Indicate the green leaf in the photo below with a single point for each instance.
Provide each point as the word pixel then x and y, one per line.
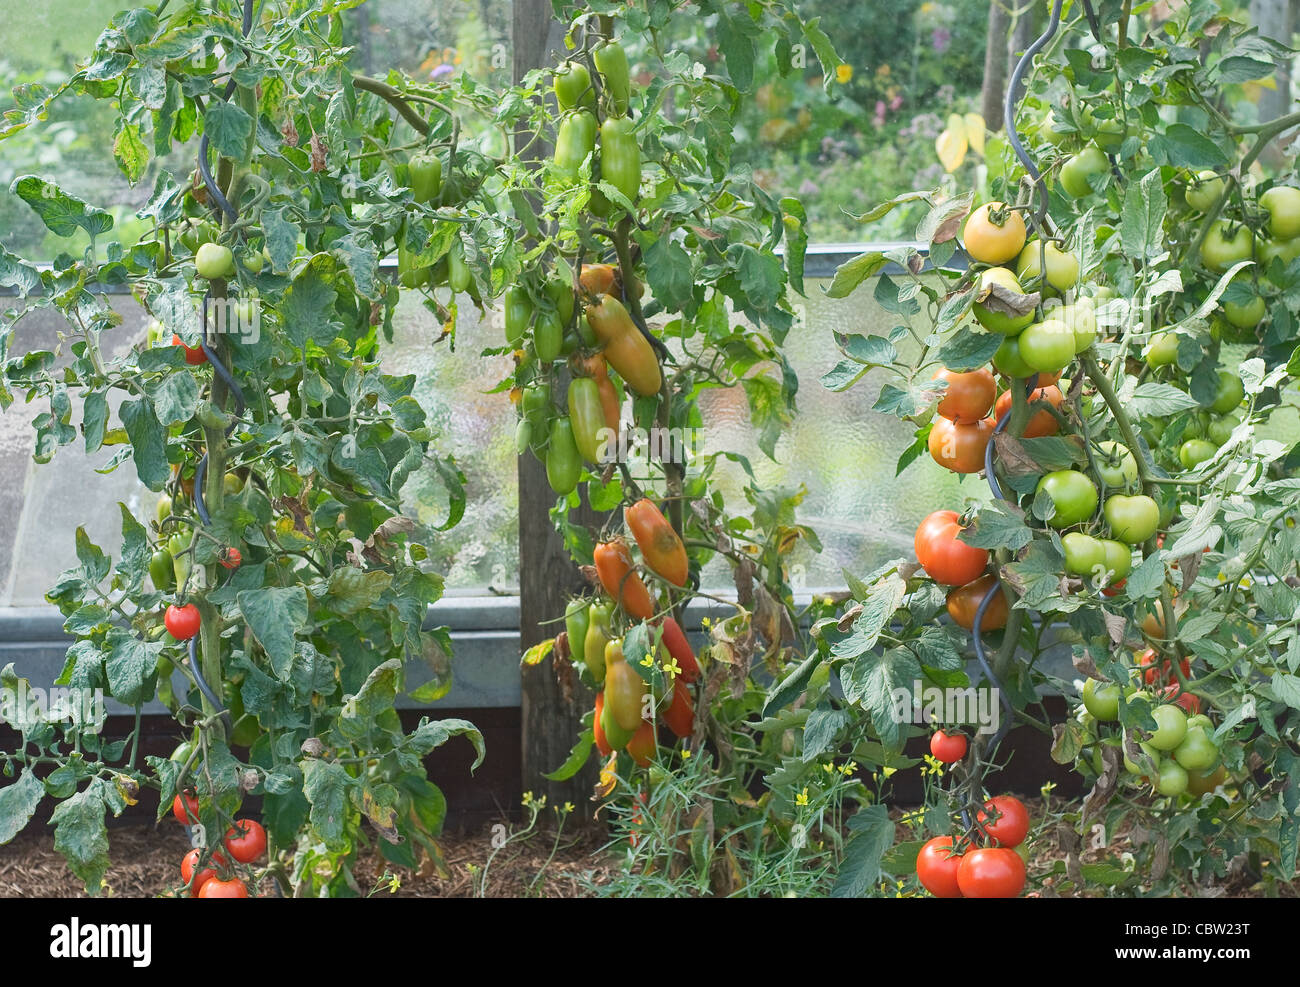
pixel 1156 400
pixel 669 271
pixel 228 128
pixel 968 349
pixel 18 804
pixel 576 759
pixel 62 214
pixel 175 397
pixel 1286 688
pixel 823 49
pixel 131 152
pixel 873 834
pixel 326 786
pixel 790 687
pixel 148 446
pixel 1184 147
pixel 1143 217
pixel 821 729
pixel 275 615
pixel 877 683
pixel 81 836
pixel 853 272
pixel 431 734
pixel 999 524
pixel 883 599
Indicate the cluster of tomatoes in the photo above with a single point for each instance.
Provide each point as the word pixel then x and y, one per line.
pixel 202 870
pixel 1179 756
pixel 987 862
pixel 627 703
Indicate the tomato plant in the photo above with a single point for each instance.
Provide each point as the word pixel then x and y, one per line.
pixel 278 458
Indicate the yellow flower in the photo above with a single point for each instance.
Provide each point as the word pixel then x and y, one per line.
pixel 888 772
pixel 843 73
pixel 672 669
pixel 1048 788
pixel 648 661
pixel 828 768
pixel 848 769
pixel 686 752
pixel 801 798
pixel 528 798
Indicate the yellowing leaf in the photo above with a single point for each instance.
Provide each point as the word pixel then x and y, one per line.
pixel 951 148
pixel 538 652
pixel 975 132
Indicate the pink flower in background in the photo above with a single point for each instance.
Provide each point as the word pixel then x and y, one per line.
pixel 896 102
pixel 940 38
pixel 443 69
pixel 809 187
pixel 879 118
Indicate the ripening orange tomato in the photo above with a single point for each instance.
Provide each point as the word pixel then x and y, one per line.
pixel 994 234
pixel 1042 422
pixel 614 567
pixel 964 600
pixel 660 545
pixel 960 446
pixel 597 278
pixel 969 395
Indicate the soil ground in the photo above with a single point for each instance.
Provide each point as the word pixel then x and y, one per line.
pixel 145 861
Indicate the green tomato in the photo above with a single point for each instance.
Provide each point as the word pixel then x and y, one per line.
pixel 1133 519
pixel 1081 317
pixel 1220 429
pixel 163 509
pixel 253 261
pixel 214 261
pixel 996 320
pixel 1134 768
pixel 1116 465
pixel 1246 316
pixel 1226 245
pixel 1204 191
pixel 1077 171
pixel 1062 265
pixel 1197 752
pixel 1101 699
pixel 1285 250
pixel 1228 394
pixel 1193 452
pixel 1008 360
pixel 1047 346
pixel 1172 779
pixel 1083 554
pixel 1171 727
pixel 1283 205
pixel 1162 350
pixel 1119 560
pixel 160 571
pixel 1073 494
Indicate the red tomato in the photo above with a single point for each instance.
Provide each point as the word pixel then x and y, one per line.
pixel 936 868
pixel 230 558
pixel 948 747
pixel 679 648
pixel 1189 701
pixel 246 840
pixel 680 715
pixel 597 730
pixel 960 446
pixel 968 396
pixel 185 807
pixel 991 872
pixel 1163 673
pixel 194 355
pixel 1042 422
pixel 217 888
pixel 642 746
pixel 189 862
pixel 1011 826
pixel 945 559
pixel 182 622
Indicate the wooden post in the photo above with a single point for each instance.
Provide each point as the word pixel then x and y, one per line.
pixel 995 65
pixel 547 577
